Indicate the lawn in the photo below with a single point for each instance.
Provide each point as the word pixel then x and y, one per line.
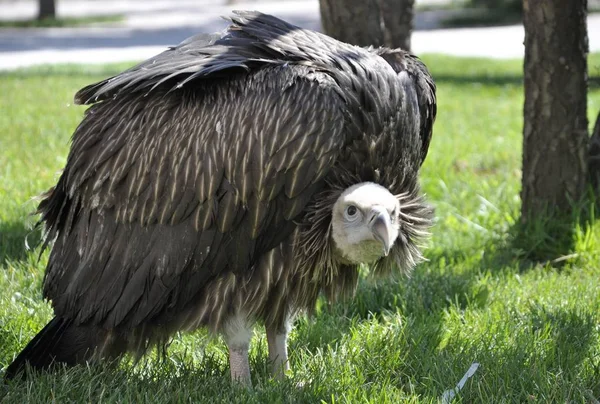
pixel 533 328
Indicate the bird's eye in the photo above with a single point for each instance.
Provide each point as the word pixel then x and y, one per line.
pixel 351 212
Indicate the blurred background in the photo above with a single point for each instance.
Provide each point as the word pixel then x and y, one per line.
pixel 100 31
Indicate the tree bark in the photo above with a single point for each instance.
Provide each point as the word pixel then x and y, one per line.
pixel 46 9
pixel 555 136
pixel 594 157
pixel 369 22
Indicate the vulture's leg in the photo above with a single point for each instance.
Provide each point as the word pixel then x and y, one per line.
pixel 238 333
pixel 277 341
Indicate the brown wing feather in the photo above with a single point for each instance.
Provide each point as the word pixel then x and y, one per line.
pixel 170 189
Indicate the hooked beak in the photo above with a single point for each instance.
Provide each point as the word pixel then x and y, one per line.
pixel 381 227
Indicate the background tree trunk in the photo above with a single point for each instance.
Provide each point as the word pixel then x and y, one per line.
pixel 594 157
pixel 46 9
pixel 555 136
pixel 369 22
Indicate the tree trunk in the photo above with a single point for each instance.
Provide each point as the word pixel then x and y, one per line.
pixel 47 9
pixel 369 22
pixel 594 157
pixel 555 136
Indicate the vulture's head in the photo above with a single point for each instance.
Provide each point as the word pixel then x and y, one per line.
pixel 365 223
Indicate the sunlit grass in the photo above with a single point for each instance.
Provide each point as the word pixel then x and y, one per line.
pixel 534 328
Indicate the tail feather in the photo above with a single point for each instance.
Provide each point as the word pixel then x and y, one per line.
pixel 62 342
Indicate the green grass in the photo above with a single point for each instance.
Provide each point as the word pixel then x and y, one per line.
pixel 62 22
pixel 534 328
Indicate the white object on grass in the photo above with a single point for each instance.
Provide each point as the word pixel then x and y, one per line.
pixel 450 394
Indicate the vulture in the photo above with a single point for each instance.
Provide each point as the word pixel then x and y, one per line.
pixel 232 179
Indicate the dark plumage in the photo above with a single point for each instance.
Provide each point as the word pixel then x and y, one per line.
pixel 228 180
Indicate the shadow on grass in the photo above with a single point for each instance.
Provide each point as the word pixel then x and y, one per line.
pixel 549 237
pixel 419 301
pixel 16 239
pixel 174 380
pixel 572 333
pixel 554 343
pixel 429 290
pixel 423 300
